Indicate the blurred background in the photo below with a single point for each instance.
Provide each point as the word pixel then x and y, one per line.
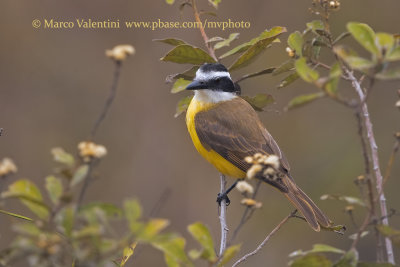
pixel 53 84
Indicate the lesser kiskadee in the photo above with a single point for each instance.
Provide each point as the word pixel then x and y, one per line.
pixel 225 129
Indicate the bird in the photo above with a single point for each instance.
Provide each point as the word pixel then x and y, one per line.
pixel 225 129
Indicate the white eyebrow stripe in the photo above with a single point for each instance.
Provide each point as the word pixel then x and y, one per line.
pixel 211 75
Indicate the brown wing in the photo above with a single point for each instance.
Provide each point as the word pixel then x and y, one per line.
pixel 233 130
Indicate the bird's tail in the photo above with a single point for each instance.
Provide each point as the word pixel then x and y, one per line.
pixel 314 216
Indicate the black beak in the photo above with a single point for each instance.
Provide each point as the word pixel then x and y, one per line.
pixel 196 85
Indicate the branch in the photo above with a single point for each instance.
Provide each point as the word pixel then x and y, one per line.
pixel 86 182
pixel 222 217
pixel 242 259
pixel 375 160
pixel 109 100
pixel 391 159
pixel 203 33
pixel 248 212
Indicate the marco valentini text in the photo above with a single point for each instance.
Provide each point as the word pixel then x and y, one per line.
pixel 81 23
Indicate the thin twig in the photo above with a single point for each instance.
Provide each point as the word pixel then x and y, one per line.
pixel 86 182
pixel 375 161
pixel 248 212
pixel 367 160
pixel 222 217
pixel 242 259
pixel 160 202
pixel 202 31
pixel 367 218
pixel 391 160
pixel 109 100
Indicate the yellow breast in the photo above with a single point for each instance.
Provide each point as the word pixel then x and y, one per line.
pixel 222 165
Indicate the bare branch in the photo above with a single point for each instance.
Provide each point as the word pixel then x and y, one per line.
pixel 109 100
pixel 222 217
pixel 276 229
pixel 375 160
pixel 86 182
pixel 203 33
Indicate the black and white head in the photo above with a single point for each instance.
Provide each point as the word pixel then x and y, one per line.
pixel 213 83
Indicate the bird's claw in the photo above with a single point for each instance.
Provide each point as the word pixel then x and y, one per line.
pixel 223 196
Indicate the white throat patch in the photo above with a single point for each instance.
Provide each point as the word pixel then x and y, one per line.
pixel 210 96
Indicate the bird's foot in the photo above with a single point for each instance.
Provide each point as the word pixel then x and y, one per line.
pixel 221 197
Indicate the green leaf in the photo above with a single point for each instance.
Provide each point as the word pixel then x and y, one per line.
pixel 152 228
pixel 390 232
pixel 374 264
pixel 312 260
pixel 259 101
pixel 59 155
pixel 127 253
pixel 29 195
pixel 79 175
pixel 215 3
pixel 229 253
pixel 226 42
pixel 394 54
pixel 385 42
pixel 215 39
pixel 170 261
pixel 90 231
pixel 284 67
pixel 188 74
pixel 54 188
pixel 288 80
pixel 304 99
pixel 295 41
pixel 305 72
pixel 364 35
pixel 264 35
pixel 334 78
pixel 353 60
pixel 253 51
pixel 317 248
pixel 393 74
pixel 348 199
pixel 341 36
pixel 313 50
pixel 182 105
pixel 170 41
pixel 187 54
pixel 180 85
pixel 16 215
pixel 174 250
pixel 315 25
pixel 132 211
pixel 349 259
pixel 359 63
pixel 335 71
pixel 109 209
pixel 194 254
pixel 27 228
pixel 339 229
pixel 255 74
pixel 170 2
pixel 201 233
pixel 67 218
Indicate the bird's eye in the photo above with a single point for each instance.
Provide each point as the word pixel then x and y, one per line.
pixel 218 80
